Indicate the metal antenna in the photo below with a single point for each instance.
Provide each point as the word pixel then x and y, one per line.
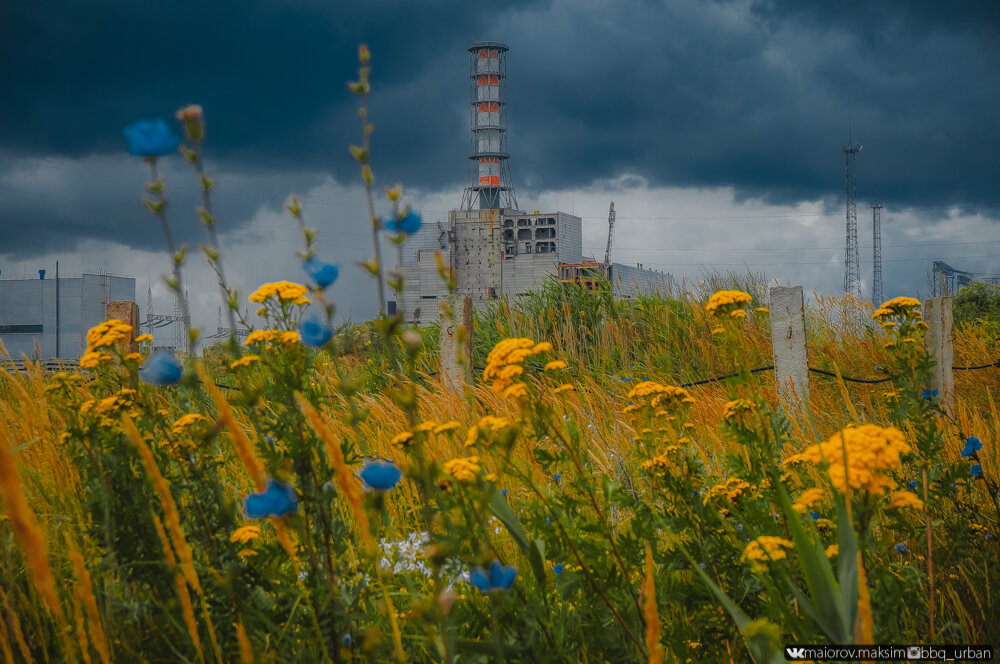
pixel 611 234
pixel 488 184
pixel 878 296
pixel 852 269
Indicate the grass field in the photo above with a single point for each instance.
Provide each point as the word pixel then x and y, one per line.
pixel 646 522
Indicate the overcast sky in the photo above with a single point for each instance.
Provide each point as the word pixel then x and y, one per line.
pixel 716 127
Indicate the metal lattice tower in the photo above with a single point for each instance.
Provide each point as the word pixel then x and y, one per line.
pixel 852 268
pixel 878 296
pixel 488 184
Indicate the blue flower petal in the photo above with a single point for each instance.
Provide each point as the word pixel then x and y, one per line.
pixel 814 515
pixel 558 569
pixel 912 485
pixel 557 477
pixel 324 274
pixel 150 138
pixel 381 475
pixel 161 368
pixel 972 445
pixel 501 577
pixel 929 394
pixel 900 548
pixel 479 579
pixel 314 333
pixel 277 500
pixel 976 469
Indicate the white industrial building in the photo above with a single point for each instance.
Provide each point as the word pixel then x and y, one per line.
pixel 56 313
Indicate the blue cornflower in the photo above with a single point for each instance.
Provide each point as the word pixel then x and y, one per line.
pixel 500 577
pixel 150 138
pixel 976 470
pixel 314 333
pixel 503 492
pixel 409 224
pixel 626 379
pixel 972 445
pixel 695 493
pixel 929 394
pixel 912 485
pixel 900 548
pixel 346 639
pixel 814 515
pixel 328 486
pixel 277 499
pixel 162 368
pixel 381 475
pixel 557 476
pixel 558 569
pixel 269 439
pixel 323 274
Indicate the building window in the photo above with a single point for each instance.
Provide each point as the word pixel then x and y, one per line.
pixel 20 329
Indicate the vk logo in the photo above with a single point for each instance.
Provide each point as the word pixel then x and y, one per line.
pixel 794 653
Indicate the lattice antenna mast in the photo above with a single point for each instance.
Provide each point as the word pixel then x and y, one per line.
pixel 878 296
pixel 611 234
pixel 488 184
pixel 852 268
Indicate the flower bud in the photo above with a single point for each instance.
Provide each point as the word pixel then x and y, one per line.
pixel 156 207
pixel 363 55
pixel 194 122
pixel 293 206
pixel 359 153
pixel 394 192
pixel 366 173
pixel 206 217
pixel 206 183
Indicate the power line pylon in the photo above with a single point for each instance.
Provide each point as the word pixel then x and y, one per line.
pixel 852 268
pixel 878 296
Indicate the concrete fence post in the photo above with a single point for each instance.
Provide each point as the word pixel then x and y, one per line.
pixel 938 340
pixel 455 344
pixel 788 341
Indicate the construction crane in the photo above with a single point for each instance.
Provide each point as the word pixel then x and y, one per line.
pixel 611 234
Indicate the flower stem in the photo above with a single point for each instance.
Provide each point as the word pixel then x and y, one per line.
pixel 171 250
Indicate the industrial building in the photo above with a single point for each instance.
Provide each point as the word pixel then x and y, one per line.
pixel 56 313
pixel 496 249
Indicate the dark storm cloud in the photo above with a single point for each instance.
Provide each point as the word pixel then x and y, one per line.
pixel 700 94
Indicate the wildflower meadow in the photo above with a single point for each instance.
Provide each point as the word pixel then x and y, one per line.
pixel 315 493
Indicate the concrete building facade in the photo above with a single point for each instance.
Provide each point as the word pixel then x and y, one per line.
pixel 56 313
pixel 502 253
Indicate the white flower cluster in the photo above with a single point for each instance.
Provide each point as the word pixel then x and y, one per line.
pixel 409 555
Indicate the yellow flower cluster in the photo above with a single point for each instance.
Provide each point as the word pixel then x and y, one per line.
pixel 269 336
pixel 734 411
pixel 102 336
pixel 726 301
pixel 245 534
pixel 503 364
pixel 107 334
pixel 808 498
pixel 285 291
pixel 244 361
pixel 654 395
pixel 868 449
pixel 901 499
pixel 92 358
pixel 661 464
pixel 184 421
pixel 462 469
pixel 763 549
pixel 903 307
pixel 487 425
pixel 732 489
pixel 404 439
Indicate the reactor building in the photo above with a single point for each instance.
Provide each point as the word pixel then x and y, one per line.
pixel 56 313
pixel 496 249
